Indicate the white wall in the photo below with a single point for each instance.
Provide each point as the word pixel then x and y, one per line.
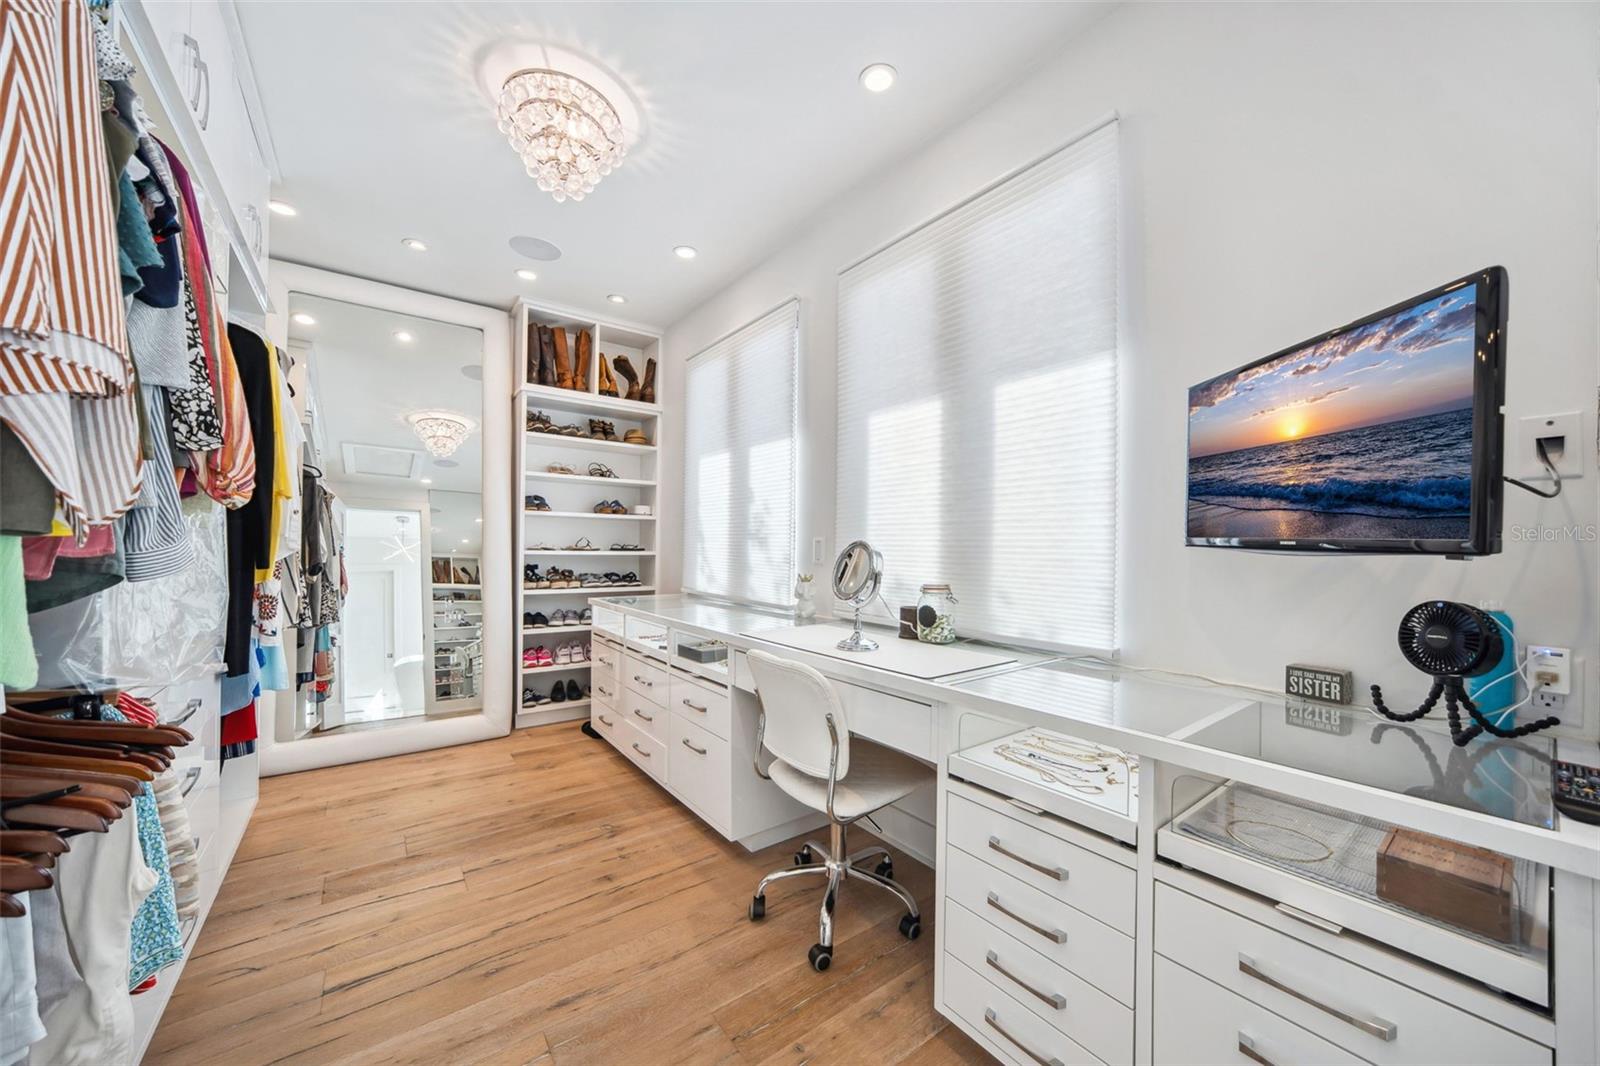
pixel 1286 168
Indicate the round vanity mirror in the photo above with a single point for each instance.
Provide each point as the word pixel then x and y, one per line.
pixel 857 573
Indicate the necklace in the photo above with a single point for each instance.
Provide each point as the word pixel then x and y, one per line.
pixel 1256 825
pixel 1066 749
pixel 1046 775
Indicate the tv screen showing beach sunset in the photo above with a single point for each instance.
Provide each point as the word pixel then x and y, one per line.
pixel 1364 436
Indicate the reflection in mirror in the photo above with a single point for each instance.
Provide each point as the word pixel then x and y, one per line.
pixel 396 416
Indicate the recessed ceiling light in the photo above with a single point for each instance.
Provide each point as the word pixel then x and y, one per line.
pixel 279 207
pixel 427 481
pixel 464 540
pixel 527 275
pixel 414 245
pixel 877 78
pixel 683 251
pixel 478 520
pixel 616 299
pixel 303 319
pixel 403 336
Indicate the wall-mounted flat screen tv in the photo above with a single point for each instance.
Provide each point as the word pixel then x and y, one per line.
pixel 1380 436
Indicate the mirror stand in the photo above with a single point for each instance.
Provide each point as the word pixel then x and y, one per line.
pixel 857 641
pixel 857 574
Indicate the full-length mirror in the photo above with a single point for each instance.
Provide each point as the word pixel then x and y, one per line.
pixel 396 418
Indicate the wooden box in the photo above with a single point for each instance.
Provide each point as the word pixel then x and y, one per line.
pixel 1454 883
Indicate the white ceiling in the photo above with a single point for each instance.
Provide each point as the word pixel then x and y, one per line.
pixel 753 119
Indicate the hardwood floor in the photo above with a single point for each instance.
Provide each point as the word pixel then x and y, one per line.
pixel 535 899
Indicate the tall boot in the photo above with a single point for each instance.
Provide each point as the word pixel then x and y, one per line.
pixel 533 353
pixel 647 392
pixel 629 375
pixel 585 350
pixel 547 357
pixel 563 359
pixel 608 384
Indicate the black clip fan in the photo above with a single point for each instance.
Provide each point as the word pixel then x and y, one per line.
pixel 1452 642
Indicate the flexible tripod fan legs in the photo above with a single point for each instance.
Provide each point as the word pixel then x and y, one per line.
pixel 1455 699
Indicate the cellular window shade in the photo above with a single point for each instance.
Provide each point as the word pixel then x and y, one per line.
pixel 977 395
pixel 739 462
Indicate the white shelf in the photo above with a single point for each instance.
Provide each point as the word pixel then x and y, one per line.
pixel 562 440
pixel 600 552
pixel 556 669
pixel 589 514
pixel 593 590
pixel 448 586
pixel 551 705
pixel 541 397
pixel 529 631
pixel 586 479
pixel 454 629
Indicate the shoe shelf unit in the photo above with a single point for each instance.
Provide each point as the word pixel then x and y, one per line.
pixel 456 632
pixel 582 430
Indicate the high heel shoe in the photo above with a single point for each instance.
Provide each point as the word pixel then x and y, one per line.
pixel 647 393
pixel 625 368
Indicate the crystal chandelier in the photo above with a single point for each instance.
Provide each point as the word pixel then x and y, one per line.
pixel 441 431
pixel 567 133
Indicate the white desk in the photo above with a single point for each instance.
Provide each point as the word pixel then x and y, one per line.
pixel 1197 732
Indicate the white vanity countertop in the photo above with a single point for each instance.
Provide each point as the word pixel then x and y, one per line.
pixel 1495 798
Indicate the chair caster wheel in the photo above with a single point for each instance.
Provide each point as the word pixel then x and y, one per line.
pixel 758 908
pixel 821 957
pixel 803 857
pixel 885 869
pixel 911 927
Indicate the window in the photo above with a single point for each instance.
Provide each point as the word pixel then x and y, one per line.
pixel 739 462
pixel 977 437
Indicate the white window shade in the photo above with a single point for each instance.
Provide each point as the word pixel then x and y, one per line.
pixel 977 439
pixel 739 462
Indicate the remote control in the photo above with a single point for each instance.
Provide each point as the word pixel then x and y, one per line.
pixel 1577 790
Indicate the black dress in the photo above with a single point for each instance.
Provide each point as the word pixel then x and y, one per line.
pixel 250 541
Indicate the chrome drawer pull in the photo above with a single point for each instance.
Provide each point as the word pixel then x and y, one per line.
pixel 1049 871
pixel 693 706
pixel 994 1023
pixel 640 714
pixel 691 747
pixel 642 681
pixel 189 710
pixel 604 720
pixel 603 691
pixel 1375 1026
pixel 640 750
pixel 191 777
pixel 1054 999
pixel 1049 934
pixel 1247 1048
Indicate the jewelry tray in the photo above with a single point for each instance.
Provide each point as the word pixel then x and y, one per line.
pixel 1114 811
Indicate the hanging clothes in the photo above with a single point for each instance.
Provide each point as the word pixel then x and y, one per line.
pixel 18 667
pixel 20 1024
pixel 229 473
pixel 156 539
pixel 251 538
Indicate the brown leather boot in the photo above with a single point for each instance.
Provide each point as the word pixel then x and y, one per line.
pixel 547 357
pixel 563 359
pixel 647 391
pixel 608 384
pixel 533 353
pixel 629 375
pixel 585 349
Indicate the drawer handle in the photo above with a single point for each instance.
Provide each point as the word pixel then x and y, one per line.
pixel 691 747
pixel 603 691
pixel 1374 1026
pixel 642 681
pixel 994 1023
pixel 1055 999
pixel 603 719
pixel 640 750
pixel 1049 871
pixel 637 713
pixel 191 777
pixel 1049 934
pixel 693 706
pixel 1247 1048
pixel 189 710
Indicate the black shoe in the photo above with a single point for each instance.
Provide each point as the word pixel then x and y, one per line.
pixel 527 619
pixel 573 692
pixel 529 697
pixel 536 620
pixel 558 694
pixel 530 573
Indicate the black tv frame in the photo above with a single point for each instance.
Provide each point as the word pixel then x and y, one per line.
pixel 1488 434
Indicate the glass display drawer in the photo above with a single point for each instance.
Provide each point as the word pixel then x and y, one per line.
pixel 647 635
pixel 1466 908
pixel 703 656
pixel 1092 785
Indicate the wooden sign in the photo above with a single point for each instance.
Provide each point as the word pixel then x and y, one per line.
pixel 1317 683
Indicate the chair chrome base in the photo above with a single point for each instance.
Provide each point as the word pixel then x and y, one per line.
pixel 838 867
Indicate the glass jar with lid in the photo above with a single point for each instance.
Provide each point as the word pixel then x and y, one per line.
pixel 936 615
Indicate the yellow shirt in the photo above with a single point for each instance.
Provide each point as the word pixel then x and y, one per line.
pixel 282 479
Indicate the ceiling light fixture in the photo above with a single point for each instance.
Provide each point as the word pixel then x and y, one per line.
pixel 303 319
pixel 877 78
pixel 567 134
pixel 279 207
pixel 414 245
pixel 527 275
pixel 617 299
pixel 684 251
pixel 442 432
pixel 429 481
pixel 403 336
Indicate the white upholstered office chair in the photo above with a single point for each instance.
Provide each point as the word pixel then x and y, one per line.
pixel 804 725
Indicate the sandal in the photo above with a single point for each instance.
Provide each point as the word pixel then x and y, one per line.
pixel 626 548
pixel 535 503
pixel 539 422
pixel 560 468
pixel 601 470
pixel 530 576
pixel 630 578
pixel 584 544
pixel 604 507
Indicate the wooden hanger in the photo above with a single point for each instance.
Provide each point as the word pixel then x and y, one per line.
pixel 127 785
pixel 20 723
pixel 20 875
pixel 117 756
pixel 128 768
pixel 21 785
pixel 10 907
pixel 53 817
pixel 31 842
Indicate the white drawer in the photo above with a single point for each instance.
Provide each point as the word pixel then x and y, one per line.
pixel 605 721
pixel 645 678
pixel 1010 1029
pixel 203 804
pixel 604 688
pixel 648 753
pixel 904 725
pixel 644 715
pixel 699 771
pixel 1076 876
pixel 703 705
pixel 607 656
pixel 1202 1024
pixel 1066 1001
pixel 1087 947
pixel 1344 1003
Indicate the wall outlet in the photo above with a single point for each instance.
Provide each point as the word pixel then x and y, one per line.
pixel 1548 703
pixel 1550 669
pixel 1563 434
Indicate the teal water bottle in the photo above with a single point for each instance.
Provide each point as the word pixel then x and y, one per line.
pixel 1495 691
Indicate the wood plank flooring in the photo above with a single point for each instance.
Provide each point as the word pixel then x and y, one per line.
pixel 535 899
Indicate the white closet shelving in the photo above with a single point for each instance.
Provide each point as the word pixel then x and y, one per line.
pixel 547 539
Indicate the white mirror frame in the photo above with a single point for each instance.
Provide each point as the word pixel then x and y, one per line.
pixel 499 583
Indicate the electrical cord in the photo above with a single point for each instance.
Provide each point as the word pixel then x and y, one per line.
pixel 1555 475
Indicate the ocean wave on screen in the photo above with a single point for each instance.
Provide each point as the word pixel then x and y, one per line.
pixel 1439 496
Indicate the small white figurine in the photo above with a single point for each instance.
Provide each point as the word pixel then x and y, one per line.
pixel 805 603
